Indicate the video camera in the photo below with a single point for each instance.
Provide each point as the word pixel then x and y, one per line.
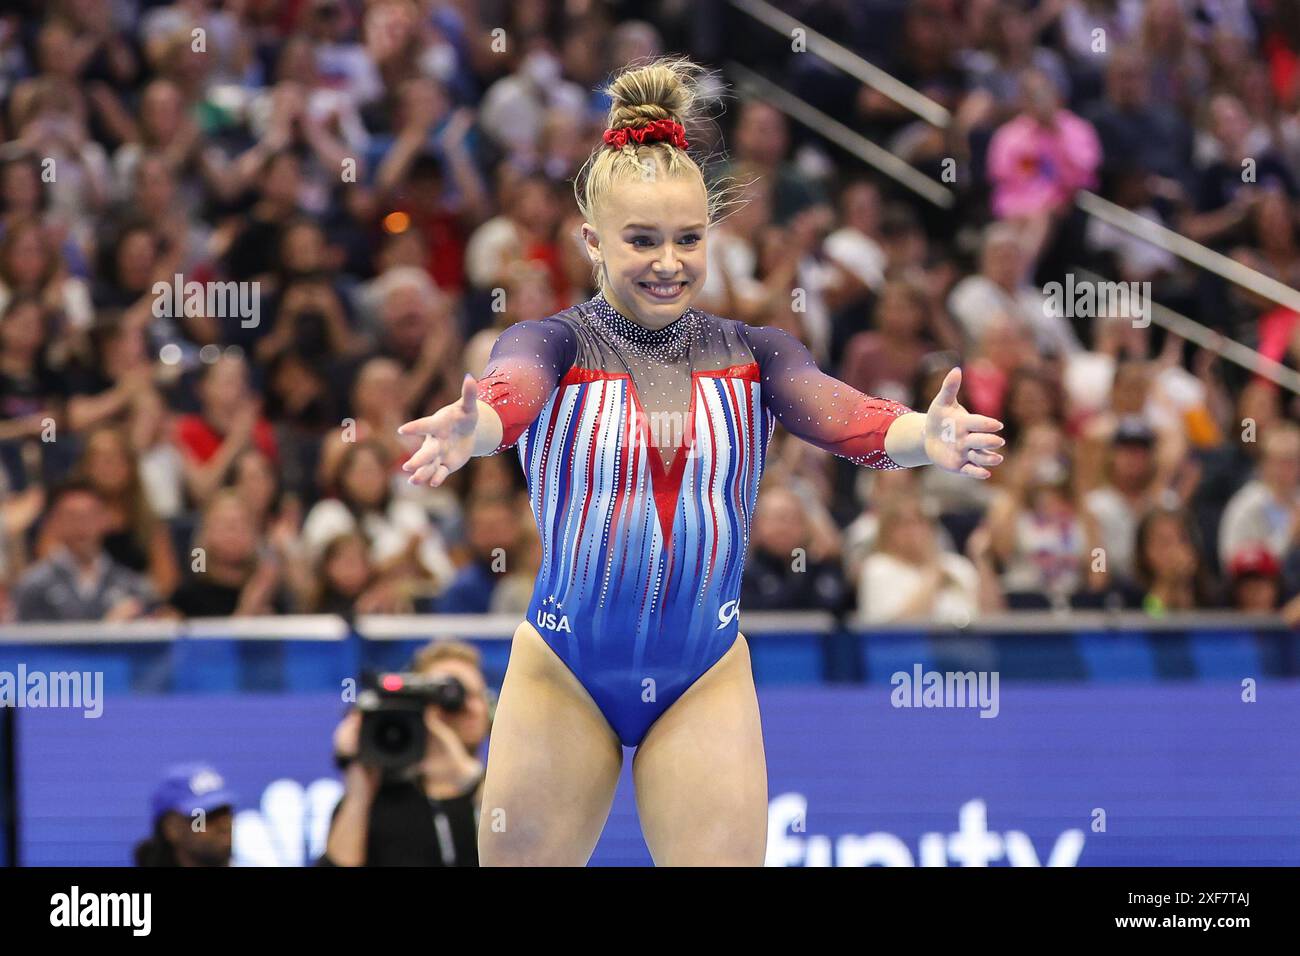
pixel 393 733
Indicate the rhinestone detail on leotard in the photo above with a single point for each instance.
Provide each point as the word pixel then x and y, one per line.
pixel 667 344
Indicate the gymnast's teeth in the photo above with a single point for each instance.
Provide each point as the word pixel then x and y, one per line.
pixel 663 291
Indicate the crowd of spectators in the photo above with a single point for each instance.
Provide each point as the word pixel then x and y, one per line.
pixel 392 179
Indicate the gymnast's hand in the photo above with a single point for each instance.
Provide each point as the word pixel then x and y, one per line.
pixel 448 438
pixel 957 440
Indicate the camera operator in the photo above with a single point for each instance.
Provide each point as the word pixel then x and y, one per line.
pixel 427 814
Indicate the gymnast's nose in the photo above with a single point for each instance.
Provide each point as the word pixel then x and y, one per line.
pixel 666 264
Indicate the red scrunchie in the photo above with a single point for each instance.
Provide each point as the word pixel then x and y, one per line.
pixel 664 130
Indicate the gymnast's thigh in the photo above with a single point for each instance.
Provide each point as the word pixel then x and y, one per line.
pixel 701 774
pixel 553 764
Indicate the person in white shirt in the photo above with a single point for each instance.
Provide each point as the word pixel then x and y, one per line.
pixel 999 288
pixel 909 578
pixel 514 107
pixel 1266 510
pixel 855 246
pixel 1133 486
pixel 403 540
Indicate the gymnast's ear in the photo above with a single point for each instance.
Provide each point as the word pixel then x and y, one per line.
pixel 591 242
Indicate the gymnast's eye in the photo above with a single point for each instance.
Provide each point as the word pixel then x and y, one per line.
pixel 690 239
pixel 638 240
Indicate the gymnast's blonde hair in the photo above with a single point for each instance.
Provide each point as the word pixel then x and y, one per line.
pixel 664 88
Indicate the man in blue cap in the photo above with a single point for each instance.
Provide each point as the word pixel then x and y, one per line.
pixel 193 813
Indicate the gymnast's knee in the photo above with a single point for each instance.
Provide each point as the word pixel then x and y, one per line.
pixel 502 842
pixel 727 850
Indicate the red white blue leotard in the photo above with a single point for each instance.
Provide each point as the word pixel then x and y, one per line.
pixel 641 558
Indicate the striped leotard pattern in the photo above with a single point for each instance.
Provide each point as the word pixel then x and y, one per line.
pixel 642 558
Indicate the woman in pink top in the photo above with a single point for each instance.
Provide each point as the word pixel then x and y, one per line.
pixel 1038 160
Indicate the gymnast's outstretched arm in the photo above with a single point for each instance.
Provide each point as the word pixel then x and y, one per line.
pixel 526 364
pixel 874 432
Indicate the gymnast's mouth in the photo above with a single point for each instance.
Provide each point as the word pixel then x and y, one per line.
pixel 664 290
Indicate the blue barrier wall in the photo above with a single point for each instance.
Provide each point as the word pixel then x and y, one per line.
pixel 1184 773
pixel 219 664
pixel 6 789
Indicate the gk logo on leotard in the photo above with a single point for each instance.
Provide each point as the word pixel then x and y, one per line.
pixel 553 622
pixel 728 613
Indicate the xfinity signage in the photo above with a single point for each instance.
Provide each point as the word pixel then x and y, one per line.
pixel 970 844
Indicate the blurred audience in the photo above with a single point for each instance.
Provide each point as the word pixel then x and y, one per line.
pixel 401 193
pixel 80 580
pixel 232 572
pixel 908 577
pixel 783 571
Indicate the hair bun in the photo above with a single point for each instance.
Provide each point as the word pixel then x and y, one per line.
pixel 662 89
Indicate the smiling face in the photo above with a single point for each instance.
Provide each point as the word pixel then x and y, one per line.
pixel 649 243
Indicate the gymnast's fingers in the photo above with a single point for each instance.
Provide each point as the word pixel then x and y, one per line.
pixel 425 454
pixel 982 423
pixel 469 392
pixel 418 426
pixel 423 474
pixel 984 441
pixel 985 458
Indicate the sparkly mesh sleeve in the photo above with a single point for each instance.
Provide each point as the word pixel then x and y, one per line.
pixel 526 364
pixel 818 408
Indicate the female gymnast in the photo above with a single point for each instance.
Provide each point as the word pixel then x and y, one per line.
pixel 641 425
